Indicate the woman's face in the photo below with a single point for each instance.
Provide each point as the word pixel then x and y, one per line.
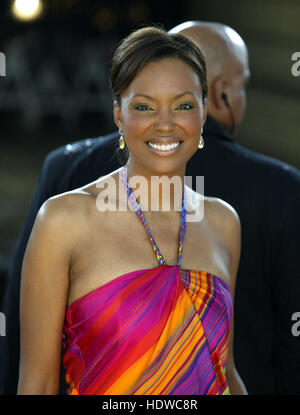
pixel 162 107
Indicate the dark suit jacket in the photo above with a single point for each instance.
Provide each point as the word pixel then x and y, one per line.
pixel 266 194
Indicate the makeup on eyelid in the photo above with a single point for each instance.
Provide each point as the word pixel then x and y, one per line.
pixel 147 107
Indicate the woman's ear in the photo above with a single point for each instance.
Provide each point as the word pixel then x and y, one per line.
pixel 205 110
pixel 117 115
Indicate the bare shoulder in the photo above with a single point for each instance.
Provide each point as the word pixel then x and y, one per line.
pixel 63 212
pixel 74 208
pixel 222 215
pixel 226 222
pixel 65 205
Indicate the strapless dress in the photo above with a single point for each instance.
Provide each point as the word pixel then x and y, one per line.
pixel 158 331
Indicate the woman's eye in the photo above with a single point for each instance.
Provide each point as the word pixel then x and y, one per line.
pixel 142 107
pixel 185 106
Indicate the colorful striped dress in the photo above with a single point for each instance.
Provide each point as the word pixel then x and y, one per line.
pixel 158 331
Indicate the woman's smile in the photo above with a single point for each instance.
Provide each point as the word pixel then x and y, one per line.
pixel 164 147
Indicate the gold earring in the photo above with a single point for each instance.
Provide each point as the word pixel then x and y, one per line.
pixel 122 141
pixel 201 141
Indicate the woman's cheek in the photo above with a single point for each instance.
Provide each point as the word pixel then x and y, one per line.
pixel 139 123
pixel 193 125
pixel 132 123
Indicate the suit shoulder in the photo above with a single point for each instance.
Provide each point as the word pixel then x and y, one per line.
pixel 75 148
pixel 65 156
pixel 264 163
pixel 72 149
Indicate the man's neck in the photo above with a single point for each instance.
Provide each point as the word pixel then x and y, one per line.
pixel 213 127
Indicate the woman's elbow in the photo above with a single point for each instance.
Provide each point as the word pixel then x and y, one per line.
pixel 34 386
pixel 235 383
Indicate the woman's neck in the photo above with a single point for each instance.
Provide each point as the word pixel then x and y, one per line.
pixel 156 191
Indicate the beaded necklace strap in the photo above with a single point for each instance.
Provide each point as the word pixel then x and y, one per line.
pixel 138 211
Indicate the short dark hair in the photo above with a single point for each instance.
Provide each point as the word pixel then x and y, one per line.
pixel 153 44
pixel 147 45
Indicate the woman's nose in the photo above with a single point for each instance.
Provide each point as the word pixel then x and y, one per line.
pixel 164 121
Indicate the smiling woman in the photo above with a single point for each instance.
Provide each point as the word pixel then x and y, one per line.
pixel 133 322
pixel 150 45
pixel 161 120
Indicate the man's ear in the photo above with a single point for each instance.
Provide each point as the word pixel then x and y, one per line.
pixel 218 87
pixel 117 115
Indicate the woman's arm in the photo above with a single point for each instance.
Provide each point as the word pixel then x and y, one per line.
pixel 44 292
pixel 227 224
pixel 232 234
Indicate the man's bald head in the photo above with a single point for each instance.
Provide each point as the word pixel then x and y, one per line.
pixel 220 44
pixel 226 58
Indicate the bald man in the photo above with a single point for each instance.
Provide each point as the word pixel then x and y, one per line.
pixel 265 193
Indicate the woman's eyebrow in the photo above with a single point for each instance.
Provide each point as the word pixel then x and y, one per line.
pixel 176 97
pixel 184 93
pixel 143 95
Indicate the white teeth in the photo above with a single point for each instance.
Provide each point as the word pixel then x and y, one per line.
pixel 164 147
